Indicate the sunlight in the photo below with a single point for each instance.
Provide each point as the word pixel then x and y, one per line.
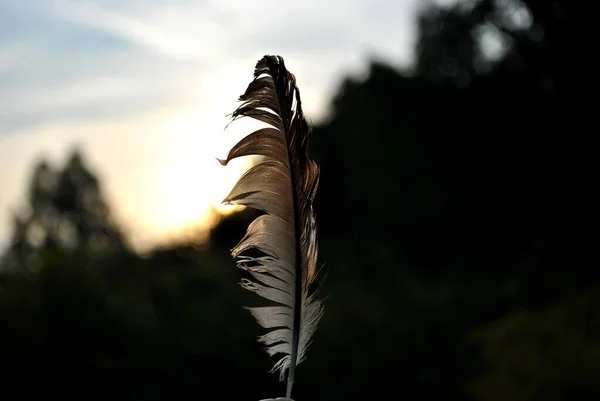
pixel 158 170
pixel 190 183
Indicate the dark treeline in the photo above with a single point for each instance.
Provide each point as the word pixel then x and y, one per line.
pixel 457 214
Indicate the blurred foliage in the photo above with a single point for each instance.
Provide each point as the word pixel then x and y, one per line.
pixel 459 198
pixel 146 329
pixel 553 354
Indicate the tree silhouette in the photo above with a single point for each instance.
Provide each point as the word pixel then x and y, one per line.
pixel 66 213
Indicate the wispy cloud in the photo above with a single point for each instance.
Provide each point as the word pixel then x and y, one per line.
pixel 121 84
pixel 178 31
pixel 145 86
pixel 12 53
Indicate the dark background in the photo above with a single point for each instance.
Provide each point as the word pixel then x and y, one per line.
pixel 458 220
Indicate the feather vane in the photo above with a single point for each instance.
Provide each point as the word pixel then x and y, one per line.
pixel 283 186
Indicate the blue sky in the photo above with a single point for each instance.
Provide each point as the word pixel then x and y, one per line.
pixel 143 88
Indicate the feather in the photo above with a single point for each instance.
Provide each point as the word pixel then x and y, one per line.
pixel 283 186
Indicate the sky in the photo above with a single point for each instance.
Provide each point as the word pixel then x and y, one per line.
pixel 143 88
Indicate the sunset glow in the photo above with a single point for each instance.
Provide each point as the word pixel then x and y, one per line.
pixel 191 183
pixel 144 89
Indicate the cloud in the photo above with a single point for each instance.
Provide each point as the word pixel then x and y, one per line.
pixel 178 31
pixel 96 56
pixel 202 29
pixel 12 53
pixel 74 87
pixel 145 85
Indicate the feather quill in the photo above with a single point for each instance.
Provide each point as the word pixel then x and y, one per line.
pixel 283 186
